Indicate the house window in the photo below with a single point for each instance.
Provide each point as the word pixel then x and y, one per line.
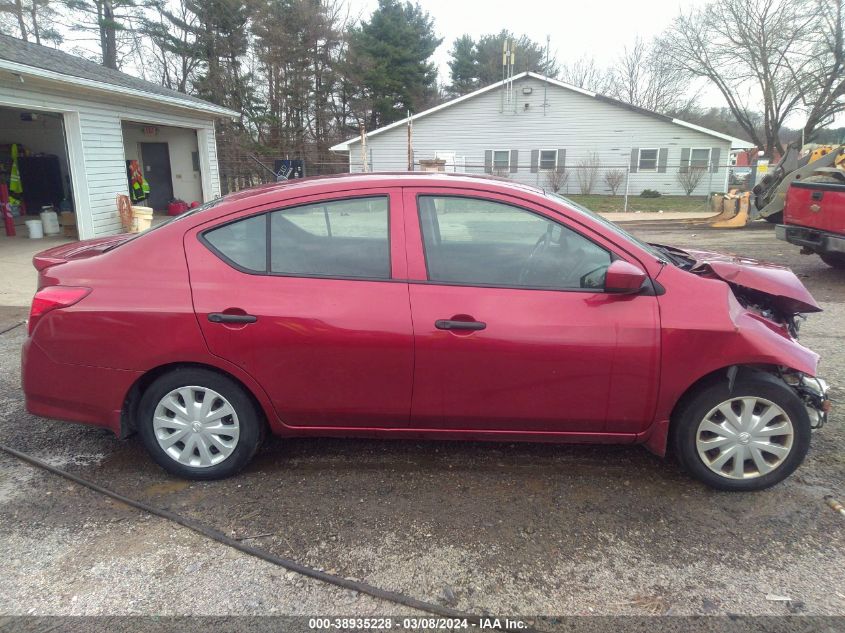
pixel 548 159
pixel 699 158
pixel 501 159
pixel 648 160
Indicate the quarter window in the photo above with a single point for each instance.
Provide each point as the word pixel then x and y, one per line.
pixel 471 241
pixel 699 158
pixel 340 238
pixel 244 242
pixel 648 160
pixel 548 159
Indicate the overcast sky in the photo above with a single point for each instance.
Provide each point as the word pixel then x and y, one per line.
pixel 598 28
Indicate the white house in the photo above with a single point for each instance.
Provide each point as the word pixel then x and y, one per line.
pixel 534 128
pixel 80 123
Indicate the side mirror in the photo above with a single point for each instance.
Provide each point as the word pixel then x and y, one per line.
pixel 623 278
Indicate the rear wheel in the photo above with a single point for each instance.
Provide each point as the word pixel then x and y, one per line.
pixel 199 424
pixel 834 260
pixel 746 438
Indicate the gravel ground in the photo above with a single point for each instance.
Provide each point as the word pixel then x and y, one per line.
pixel 522 529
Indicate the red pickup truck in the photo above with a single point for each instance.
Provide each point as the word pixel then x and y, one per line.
pixel 814 218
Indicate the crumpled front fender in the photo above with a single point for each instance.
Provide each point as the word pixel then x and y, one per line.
pixel 704 330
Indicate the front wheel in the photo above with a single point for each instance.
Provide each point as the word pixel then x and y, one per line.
pixel 199 424
pixel 747 438
pixel 834 260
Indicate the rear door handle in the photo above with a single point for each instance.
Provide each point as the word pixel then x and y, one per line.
pixel 447 324
pixel 222 317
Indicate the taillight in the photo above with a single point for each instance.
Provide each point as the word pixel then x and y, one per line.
pixel 52 298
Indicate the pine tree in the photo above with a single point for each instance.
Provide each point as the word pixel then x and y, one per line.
pixel 463 67
pixel 108 19
pixel 475 64
pixel 388 63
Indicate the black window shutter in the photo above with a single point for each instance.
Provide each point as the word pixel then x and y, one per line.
pixel 684 160
pixel 635 159
pixel 535 160
pixel 514 160
pixel 561 159
pixel 662 156
pixel 488 161
pixel 715 155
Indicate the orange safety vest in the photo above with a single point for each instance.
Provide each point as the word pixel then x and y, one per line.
pixel 138 186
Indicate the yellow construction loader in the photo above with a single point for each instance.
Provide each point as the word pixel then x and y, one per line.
pixel 814 163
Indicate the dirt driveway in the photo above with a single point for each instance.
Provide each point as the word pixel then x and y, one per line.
pixel 505 528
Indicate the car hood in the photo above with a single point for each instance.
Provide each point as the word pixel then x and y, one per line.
pixel 783 290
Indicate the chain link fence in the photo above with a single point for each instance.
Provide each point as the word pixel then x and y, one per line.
pixel 602 187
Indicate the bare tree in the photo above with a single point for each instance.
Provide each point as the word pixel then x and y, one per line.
pixel 584 73
pixel 821 70
pixel 644 77
pixel 587 173
pixel 614 178
pixel 690 178
pixel 556 178
pixel 744 47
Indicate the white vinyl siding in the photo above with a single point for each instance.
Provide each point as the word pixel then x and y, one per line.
pixel 580 123
pixel 95 143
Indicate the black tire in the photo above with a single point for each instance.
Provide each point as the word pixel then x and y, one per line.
pixel 754 384
pixel 775 218
pixel 834 260
pixel 249 419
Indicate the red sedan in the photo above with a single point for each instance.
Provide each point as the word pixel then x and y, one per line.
pixel 421 306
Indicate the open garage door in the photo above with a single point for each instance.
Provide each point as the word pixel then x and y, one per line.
pixel 34 164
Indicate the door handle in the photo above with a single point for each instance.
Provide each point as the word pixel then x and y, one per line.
pixel 222 317
pixel 447 324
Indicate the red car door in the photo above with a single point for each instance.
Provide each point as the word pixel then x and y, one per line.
pixel 513 331
pixel 304 296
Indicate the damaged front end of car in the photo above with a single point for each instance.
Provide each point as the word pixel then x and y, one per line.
pixel 776 297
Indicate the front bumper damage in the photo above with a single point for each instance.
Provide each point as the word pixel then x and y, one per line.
pixel 813 392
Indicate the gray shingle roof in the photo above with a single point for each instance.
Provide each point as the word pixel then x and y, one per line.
pixel 15 50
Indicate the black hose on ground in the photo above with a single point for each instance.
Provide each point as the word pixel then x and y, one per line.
pixel 9 329
pixel 220 537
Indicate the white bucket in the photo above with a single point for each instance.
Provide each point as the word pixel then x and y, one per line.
pixel 142 219
pixel 35 228
pixel 50 220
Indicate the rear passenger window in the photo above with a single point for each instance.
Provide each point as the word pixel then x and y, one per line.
pixel 244 243
pixel 340 238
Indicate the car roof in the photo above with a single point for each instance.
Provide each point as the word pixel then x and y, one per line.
pixel 345 182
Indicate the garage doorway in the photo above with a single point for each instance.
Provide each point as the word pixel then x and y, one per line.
pixel 155 157
pixel 168 159
pixel 34 142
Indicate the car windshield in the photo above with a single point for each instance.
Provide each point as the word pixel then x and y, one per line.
pixel 654 250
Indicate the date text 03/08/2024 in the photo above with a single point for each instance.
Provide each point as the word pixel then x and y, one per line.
pixel 415 624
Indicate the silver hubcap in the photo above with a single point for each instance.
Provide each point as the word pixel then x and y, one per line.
pixel 196 426
pixel 744 438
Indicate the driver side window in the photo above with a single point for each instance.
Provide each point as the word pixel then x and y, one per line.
pixel 478 242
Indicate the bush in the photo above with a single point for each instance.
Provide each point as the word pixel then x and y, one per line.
pixel 556 178
pixel 649 193
pixel 588 173
pixel 614 179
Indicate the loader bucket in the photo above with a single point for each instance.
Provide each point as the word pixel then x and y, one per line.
pixel 736 216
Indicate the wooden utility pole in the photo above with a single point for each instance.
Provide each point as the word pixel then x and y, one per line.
pixel 364 164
